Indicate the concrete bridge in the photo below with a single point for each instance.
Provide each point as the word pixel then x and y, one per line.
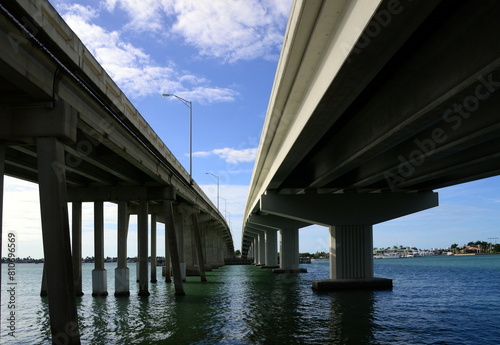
pixel 375 104
pixel 65 125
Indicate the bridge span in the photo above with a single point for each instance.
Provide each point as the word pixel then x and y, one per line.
pixel 375 104
pixel 65 125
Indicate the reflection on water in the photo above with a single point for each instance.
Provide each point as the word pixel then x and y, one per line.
pixel 351 317
pixel 250 305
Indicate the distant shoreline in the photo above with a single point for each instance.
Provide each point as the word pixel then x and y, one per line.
pixel 467 254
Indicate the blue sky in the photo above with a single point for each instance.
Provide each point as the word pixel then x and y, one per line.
pixel 222 56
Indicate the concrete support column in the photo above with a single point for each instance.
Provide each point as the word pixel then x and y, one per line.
pixel 190 257
pixel 199 249
pixel 351 260
pixel 76 238
pixel 250 251
pixel 99 274
pixel 221 249
pixel 203 230
pixel 142 255
pixel 351 252
pixel 173 249
pixel 255 246
pixel 168 261
pixel 56 241
pixel 153 248
pixel 289 251
pixel 271 248
pixel 43 288
pixel 180 243
pixel 122 274
pixel 211 247
pixel 262 248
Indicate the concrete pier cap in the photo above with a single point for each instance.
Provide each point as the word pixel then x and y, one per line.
pixel 350 218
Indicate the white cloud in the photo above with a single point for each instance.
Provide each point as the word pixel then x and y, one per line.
pixel 21 216
pixel 134 71
pixel 231 30
pixel 145 15
pixel 236 156
pixel 209 95
pixel 231 155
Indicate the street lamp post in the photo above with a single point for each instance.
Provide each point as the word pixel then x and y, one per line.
pixel 190 106
pixel 217 177
pixel 225 206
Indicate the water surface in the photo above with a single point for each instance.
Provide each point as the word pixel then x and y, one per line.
pixel 435 300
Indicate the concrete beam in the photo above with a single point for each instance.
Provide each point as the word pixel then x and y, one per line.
pixel 347 208
pixel 277 222
pixel 88 194
pixel 25 124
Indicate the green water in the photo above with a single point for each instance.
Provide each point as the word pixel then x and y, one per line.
pixel 436 300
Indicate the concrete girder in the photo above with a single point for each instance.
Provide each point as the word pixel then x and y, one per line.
pixel 26 124
pixel 342 67
pixel 347 208
pixel 119 193
pixel 277 222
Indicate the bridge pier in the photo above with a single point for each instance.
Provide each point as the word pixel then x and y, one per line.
pixel 179 226
pixel 204 227
pixel 99 274
pixel 142 253
pixel 172 242
pixel 153 248
pixel 209 247
pixel 289 252
pixel 260 245
pixel 267 244
pixel 166 270
pixel 122 273
pixel 351 241
pixel 254 247
pixel 199 250
pixel 212 243
pixel 289 240
pixel 76 229
pixel 351 260
pixel 189 243
pixel 271 248
pixel 56 241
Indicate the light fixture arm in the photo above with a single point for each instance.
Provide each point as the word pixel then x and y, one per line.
pixel 190 106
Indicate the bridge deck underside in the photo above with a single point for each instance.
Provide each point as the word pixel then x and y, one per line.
pixel 427 117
